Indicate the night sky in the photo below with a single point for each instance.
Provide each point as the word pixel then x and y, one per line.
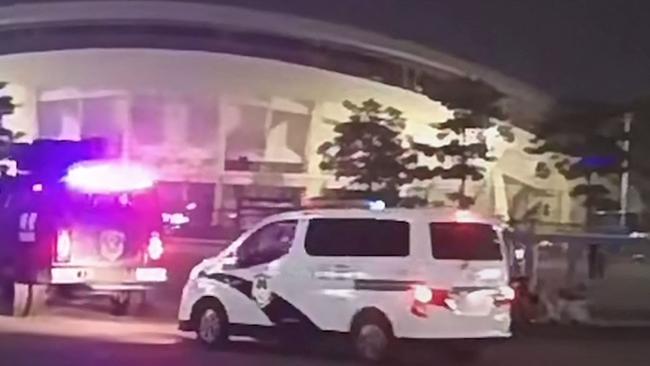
pixel 573 49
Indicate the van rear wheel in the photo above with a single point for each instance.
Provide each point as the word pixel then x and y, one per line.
pixel 372 337
pixel 28 299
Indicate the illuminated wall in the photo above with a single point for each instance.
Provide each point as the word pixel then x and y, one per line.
pixel 196 115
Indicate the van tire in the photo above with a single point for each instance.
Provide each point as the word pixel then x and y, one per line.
pixel 211 322
pixel 372 336
pixel 29 299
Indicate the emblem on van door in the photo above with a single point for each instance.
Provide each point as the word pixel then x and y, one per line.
pixel 261 292
pixel 111 244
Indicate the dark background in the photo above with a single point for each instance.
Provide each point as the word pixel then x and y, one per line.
pixel 584 49
pixel 573 49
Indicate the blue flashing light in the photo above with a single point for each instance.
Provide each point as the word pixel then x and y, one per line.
pixel 596 162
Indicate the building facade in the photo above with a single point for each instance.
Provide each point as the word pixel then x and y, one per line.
pixel 214 123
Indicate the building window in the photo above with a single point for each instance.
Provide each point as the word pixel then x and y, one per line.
pixel 100 118
pixel 147 118
pixel 267 140
pixel 203 121
pixel 58 118
pixel 248 204
pixel 196 200
pixel 246 137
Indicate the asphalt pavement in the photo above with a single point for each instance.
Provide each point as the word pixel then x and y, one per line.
pixel 83 338
pixel 82 332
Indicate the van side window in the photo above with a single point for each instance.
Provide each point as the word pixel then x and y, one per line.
pixel 267 244
pixel 357 238
pixel 464 241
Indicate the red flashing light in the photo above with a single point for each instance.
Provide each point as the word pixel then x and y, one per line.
pixel 63 246
pixel 156 248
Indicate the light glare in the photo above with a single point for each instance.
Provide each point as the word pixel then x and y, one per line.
pixel 422 294
pixel 108 177
pixel 151 274
pixel 156 247
pixel 377 205
pixel 63 246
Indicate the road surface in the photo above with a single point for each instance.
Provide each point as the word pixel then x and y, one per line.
pixel 82 333
pixel 66 338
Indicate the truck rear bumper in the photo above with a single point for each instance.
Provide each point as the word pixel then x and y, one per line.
pixel 108 277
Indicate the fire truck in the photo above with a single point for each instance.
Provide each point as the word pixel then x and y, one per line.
pixel 74 222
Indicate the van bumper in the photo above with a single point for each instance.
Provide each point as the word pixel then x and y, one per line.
pixel 105 277
pixel 443 324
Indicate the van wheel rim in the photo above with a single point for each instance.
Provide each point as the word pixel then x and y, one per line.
pixel 371 342
pixel 210 326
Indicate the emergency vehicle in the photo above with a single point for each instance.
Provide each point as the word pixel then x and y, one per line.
pixel 72 222
pixel 377 275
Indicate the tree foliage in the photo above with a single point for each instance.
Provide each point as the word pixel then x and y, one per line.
pixel 7 137
pixel 475 107
pixel 582 140
pixel 368 149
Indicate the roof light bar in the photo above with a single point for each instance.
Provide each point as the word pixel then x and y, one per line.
pixel 108 177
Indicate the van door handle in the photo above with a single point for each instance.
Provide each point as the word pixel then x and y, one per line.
pixel 335 272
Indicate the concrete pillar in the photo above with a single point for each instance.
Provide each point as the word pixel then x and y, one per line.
pixel 501 203
pixel 122 115
pixel 176 116
pixel 227 115
pixel 316 136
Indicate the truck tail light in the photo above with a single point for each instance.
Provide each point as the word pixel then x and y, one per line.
pixel 63 246
pixel 156 248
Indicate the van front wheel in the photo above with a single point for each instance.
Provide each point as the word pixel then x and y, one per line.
pixel 211 324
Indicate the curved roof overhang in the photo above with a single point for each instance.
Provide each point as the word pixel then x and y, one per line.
pixel 58 25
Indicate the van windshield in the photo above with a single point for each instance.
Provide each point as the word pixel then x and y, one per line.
pixel 464 241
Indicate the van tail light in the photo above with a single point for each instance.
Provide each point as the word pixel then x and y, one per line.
pixel 156 248
pixel 424 296
pixel 505 295
pixel 63 246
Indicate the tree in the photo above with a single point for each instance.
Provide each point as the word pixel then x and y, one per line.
pixel 582 141
pixel 475 107
pixel 368 149
pixel 7 137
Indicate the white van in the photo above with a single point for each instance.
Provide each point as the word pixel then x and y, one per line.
pixel 377 275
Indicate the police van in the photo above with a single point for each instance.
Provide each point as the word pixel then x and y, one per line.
pixel 377 275
pixel 74 223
